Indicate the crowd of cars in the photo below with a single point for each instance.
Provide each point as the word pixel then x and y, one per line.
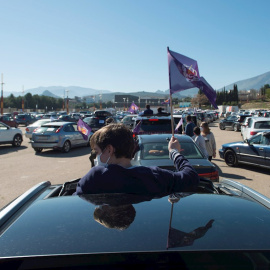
pixel 254 149
pixel 120 230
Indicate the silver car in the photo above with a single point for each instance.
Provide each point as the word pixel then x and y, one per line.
pixel 58 135
pixel 153 151
pixel 29 129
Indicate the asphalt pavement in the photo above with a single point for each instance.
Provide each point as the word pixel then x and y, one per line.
pixel 22 168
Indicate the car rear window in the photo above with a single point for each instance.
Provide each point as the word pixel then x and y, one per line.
pixel 102 114
pixel 156 125
pixel 47 129
pixel 262 125
pixel 160 150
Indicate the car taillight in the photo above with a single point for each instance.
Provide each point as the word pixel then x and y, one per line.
pixel 27 129
pixel 213 176
pixel 58 130
pixel 253 133
pixel 23 119
pixel 153 120
pixel 35 129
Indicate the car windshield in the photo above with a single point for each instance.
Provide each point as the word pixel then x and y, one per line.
pixel 262 125
pixel 151 151
pixel 162 125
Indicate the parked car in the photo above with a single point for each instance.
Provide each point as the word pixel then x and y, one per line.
pixel 221 226
pixel 24 119
pixel 97 120
pixel 153 124
pixel 8 121
pixel 10 135
pixel 202 117
pixel 255 125
pixel 154 152
pixel 30 129
pixel 58 135
pixel 128 120
pixel 254 151
pixel 233 122
pixel 67 118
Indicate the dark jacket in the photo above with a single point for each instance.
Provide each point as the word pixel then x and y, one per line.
pixel 147 112
pixel 140 180
pixel 189 129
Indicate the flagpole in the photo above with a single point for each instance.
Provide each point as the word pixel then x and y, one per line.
pixel 172 121
pixel 170 226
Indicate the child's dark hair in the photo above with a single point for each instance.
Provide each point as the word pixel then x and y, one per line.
pixel 197 130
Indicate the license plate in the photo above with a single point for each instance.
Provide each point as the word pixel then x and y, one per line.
pixel 101 121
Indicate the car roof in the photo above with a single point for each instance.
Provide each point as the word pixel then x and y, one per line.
pixel 71 224
pixel 147 117
pixel 154 138
pixel 58 123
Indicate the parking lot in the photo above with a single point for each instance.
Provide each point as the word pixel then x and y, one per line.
pixel 21 168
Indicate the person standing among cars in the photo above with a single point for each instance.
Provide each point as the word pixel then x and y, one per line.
pixel 189 127
pixel 210 141
pixel 148 111
pixel 199 140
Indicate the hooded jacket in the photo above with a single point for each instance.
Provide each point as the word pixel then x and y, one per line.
pixel 140 180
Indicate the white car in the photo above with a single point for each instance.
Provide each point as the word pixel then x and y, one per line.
pixel 253 125
pixel 29 129
pixel 10 135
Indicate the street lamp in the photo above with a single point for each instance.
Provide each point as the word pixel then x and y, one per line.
pixel 124 102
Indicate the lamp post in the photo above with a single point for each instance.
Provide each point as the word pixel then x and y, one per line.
pixel 124 102
pixel 67 101
pixel 127 103
pixel 46 109
pixel 22 98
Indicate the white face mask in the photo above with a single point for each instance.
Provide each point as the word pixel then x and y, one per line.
pixel 201 128
pixel 98 162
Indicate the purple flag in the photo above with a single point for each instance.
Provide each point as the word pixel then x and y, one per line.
pixel 184 74
pixel 180 123
pixel 167 101
pixel 84 129
pixel 208 90
pixel 136 130
pixel 133 108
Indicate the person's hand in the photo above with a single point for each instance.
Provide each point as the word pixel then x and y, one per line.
pixel 174 144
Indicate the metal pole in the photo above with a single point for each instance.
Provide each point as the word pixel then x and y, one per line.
pixel 22 98
pixel 172 121
pixel 67 101
pixel 2 95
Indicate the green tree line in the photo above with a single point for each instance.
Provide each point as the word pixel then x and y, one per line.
pixel 33 101
pixel 228 97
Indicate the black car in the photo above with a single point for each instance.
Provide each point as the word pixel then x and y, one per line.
pixel 25 119
pixel 67 118
pixel 233 122
pixel 97 120
pixel 221 226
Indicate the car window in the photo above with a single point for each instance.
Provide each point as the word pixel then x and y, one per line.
pixel 262 125
pixel 47 129
pixel 2 127
pixel 163 125
pixel 256 139
pixel 265 140
pixel 69 128
pixel 151 151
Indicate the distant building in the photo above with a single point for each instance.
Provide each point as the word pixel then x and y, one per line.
pixel 126 100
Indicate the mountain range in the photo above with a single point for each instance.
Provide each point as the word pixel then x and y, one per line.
pixel 59 91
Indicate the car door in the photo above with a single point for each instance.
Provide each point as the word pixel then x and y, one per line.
pixel 266 143
pixel 70 133
pixel 254 151
pixel 78 135
pixel 5 134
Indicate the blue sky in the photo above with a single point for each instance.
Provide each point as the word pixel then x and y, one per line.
pixel 120 45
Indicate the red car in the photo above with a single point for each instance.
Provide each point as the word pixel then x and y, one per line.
pixel 8 121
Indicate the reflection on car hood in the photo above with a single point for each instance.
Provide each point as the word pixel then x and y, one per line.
pixel 232 144
pixel 71 224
